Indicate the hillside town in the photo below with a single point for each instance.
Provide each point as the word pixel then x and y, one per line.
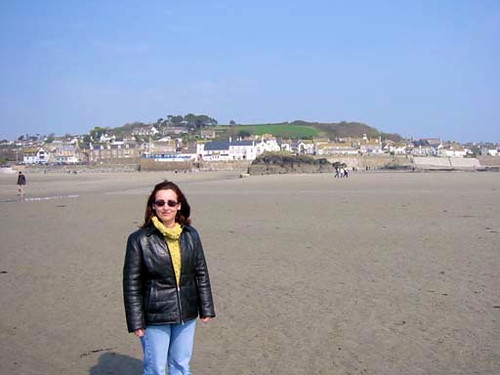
pixel 172 144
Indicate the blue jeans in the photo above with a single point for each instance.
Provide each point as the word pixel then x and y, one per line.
pixel 172 343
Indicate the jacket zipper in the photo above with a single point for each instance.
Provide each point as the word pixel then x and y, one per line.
pixel 177 286
pixel 179 302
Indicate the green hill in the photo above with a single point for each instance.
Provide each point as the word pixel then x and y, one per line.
pixel 286 130
pixel 307 130
pixel 280 130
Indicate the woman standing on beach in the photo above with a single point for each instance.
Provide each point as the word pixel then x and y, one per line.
pixel 166 285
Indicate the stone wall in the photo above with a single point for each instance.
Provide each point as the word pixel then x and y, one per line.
pixel 432 163
pixel 446 164
pixel 489 161
pixel 465 163
pixel 206 166
pixel 235 165
pixel 95 168
pixel 155 165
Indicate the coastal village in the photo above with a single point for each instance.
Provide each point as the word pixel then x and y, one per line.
pixel 172 144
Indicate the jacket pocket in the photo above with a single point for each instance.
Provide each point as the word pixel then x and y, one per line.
pixel 163 300
pixel 190 299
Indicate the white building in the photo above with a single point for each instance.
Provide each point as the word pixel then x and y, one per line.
pixel 335 148
pixel 145 130
pixel 303 147
pixel 226 150
pixel 105 138
pixel 235 150
pixel 450 152
pixel 36 155
pixel 268 145
pixel 396 148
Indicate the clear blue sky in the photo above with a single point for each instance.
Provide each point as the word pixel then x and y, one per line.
pixel 427 68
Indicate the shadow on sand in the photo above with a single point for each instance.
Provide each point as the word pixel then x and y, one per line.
pixel 116 364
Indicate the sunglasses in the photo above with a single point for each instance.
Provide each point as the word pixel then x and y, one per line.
pixel 169 203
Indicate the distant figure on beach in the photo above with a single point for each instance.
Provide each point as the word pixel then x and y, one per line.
pixel 21 181
pixel 346 173
pixel 166 285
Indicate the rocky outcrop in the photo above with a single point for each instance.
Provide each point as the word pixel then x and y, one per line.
pixel 374 162
pixel 281 163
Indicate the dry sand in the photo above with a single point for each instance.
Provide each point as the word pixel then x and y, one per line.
pixel 381 273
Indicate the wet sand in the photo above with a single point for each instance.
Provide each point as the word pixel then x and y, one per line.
pixel 381 273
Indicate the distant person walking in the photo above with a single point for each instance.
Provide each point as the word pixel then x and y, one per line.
pixel 21 181
pixel 166 286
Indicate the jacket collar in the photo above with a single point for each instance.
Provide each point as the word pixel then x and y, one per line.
pixel 150 229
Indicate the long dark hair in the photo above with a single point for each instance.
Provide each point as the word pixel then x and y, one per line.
pixel 182 216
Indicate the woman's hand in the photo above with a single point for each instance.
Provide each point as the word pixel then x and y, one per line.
pixel 139 332
pixel 206 320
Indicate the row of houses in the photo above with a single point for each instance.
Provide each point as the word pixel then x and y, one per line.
pixel 73 154
pixel 164 149
pixel 169 149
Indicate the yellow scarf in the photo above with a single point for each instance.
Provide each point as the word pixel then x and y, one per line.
pixel 172 236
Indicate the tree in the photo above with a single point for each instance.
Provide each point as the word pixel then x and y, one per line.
pixel 169 119
pixel 50 138
pixel 244 133
pixel 190 119
pixel 199 121
pixel 96 132
pixel 177 120
pixel 232 122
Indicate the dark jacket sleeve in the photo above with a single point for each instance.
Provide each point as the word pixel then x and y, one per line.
pixel 132 284
pixel 207 309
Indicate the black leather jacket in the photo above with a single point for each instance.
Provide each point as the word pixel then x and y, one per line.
pixel 150 290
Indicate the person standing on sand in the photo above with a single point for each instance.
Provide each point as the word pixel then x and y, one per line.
pixel 166 285
pixel 21 181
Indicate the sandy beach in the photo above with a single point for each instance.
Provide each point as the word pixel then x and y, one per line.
pixel 380 273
